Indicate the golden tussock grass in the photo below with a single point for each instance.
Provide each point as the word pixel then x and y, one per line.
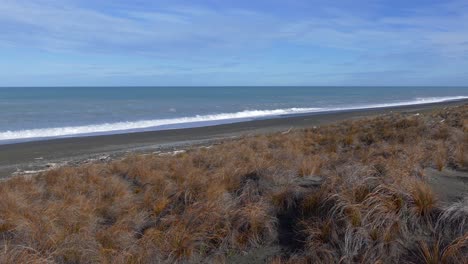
pixel 372 205
pixel 423 198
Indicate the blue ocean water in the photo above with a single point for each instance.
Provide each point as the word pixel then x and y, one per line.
pixel 49 112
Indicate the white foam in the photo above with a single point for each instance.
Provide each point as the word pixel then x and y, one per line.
pixel 146 124
pixel 124 126
pixel 416 101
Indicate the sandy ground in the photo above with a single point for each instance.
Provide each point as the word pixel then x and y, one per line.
pixel 449 185
pixel 43 155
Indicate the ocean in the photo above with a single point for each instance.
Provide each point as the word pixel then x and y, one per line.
pixel 36 113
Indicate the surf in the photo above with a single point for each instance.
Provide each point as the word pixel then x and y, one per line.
pixel 194 121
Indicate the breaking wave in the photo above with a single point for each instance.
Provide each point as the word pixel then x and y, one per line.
pixel 198 120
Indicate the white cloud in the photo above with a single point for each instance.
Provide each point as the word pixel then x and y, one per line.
pixel 201 40
pixel 188 29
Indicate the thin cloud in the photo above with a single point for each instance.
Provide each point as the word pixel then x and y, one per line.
pixel 186 28
pixel 191 39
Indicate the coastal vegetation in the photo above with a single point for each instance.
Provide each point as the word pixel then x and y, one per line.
pixel 359 191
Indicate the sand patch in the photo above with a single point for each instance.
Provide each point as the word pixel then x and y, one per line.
pixel 449 185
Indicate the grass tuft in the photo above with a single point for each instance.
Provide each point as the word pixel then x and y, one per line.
pixel 423 198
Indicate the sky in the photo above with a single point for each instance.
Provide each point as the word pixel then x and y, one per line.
pixel 238 42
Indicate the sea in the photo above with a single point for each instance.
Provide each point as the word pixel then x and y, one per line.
pixel 38 113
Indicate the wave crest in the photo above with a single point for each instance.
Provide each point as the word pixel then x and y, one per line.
pixel 197 120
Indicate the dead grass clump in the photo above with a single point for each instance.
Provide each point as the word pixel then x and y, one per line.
pixel 405 123
pixel 254 223
pixel 285 198
pixel 440 158
pixel 348 140
pixel 310 166
pixel 436 252
pixel 442 132
pixel 460 153
pixel 456 251
pixel 367 138
pixel 423 198
pixel 313 202
pixel 453 221
pixel 317 246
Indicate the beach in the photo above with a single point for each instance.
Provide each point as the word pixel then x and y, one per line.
pixel 242 132
pixel 361 185
pixel 36 156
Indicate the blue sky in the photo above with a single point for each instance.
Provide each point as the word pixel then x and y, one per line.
pixel 243 42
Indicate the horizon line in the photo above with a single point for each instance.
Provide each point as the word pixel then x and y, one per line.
pixel 226 86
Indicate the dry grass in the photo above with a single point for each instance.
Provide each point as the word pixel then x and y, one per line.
pixel 423 198
pixel 207 205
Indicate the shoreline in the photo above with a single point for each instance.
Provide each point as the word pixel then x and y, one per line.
pixel 191 121
pixel 37 155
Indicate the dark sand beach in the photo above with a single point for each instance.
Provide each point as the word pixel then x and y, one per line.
pixel 40 155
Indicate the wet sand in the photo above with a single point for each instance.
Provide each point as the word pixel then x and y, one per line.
pixel 40 154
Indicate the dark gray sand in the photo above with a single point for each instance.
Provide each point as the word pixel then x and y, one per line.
pixel 449 185
pixel 40 155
